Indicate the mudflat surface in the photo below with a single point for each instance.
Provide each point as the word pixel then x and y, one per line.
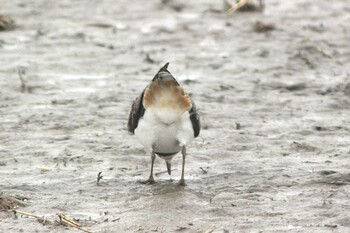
pixel 273 153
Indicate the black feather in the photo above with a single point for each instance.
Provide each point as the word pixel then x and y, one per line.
pixel 196 123
pixel 136 113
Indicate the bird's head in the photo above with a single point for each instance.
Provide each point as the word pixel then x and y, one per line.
pixel 166 96
pixel 164 74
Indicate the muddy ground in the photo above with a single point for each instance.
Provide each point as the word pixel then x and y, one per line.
pixel 273 153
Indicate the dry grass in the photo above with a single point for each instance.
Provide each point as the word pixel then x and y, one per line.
pixel 244 6
pixel 8 203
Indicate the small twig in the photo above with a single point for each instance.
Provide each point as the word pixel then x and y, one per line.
pixel 116 219
pixel 23 82
pixel 26 214
pixel 99 177
pixel 203 170
pixel 149 59
pixel 236 6
pixel 179 228
pixel 245 5
pixel 42 220
pixel 65 220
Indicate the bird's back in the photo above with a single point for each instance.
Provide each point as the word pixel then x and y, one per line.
pixel 167 100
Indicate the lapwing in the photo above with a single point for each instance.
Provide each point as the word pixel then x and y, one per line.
pixel 165 120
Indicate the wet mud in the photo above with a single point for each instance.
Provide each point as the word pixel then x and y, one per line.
pixel 273 153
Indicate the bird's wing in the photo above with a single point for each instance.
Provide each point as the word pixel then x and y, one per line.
pixel 196 123
pixel 137 111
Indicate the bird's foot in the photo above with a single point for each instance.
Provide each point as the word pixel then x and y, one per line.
pixel 181 183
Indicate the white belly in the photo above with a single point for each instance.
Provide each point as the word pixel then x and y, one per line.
pixel 164 137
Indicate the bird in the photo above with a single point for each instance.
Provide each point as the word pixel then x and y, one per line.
pixel 164 120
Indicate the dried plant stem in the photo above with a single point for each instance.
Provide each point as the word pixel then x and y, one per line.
pixel 63 219
pixel 23 82
pixel 246 5
pixel 236 6
pixel 70 222
pixel 99 177
pixel 26 214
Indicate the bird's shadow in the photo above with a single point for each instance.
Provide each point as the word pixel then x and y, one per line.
pixel 162 187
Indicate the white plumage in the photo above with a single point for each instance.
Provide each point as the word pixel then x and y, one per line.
pixel 161 132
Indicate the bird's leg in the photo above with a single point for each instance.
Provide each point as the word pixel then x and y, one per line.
pixel 151 179
pixel 262 4
pixel 182 180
